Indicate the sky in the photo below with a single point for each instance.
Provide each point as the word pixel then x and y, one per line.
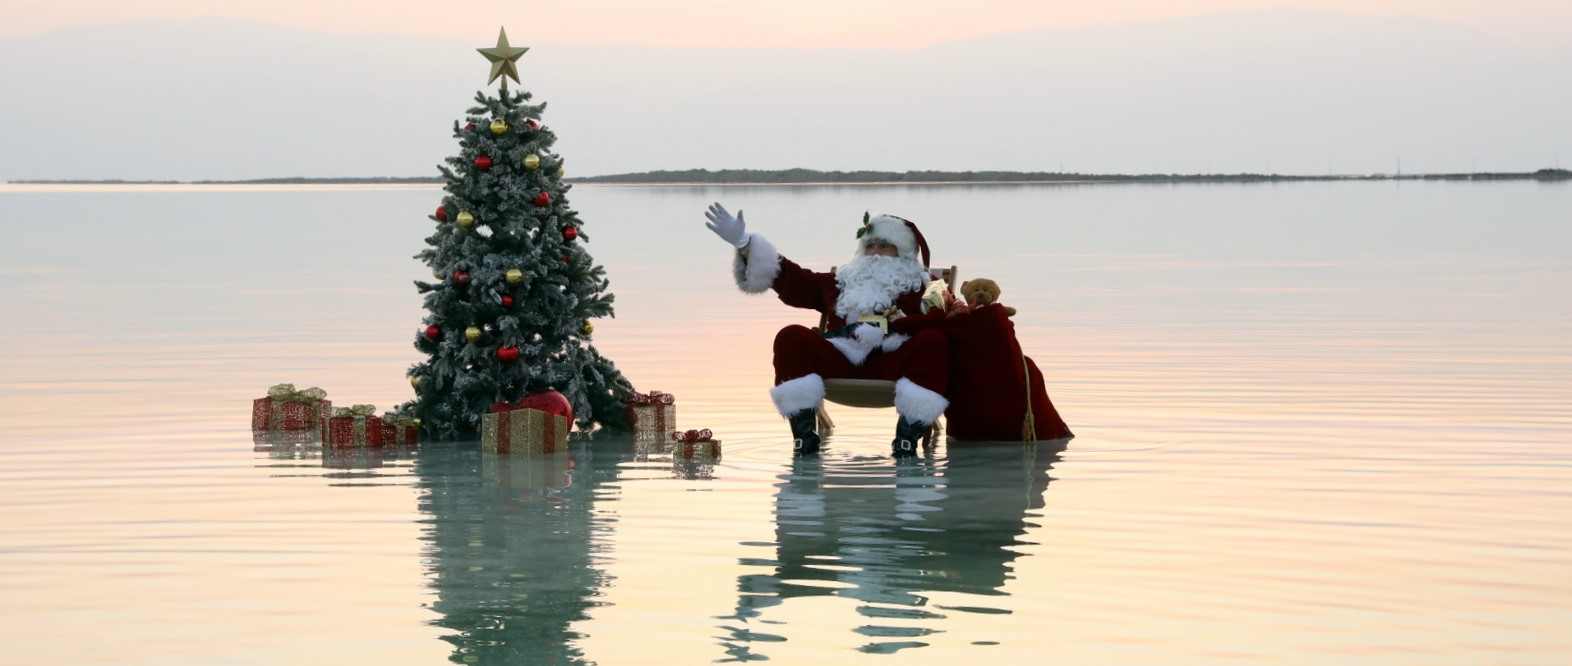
pixel 808 24
pixel 1083 86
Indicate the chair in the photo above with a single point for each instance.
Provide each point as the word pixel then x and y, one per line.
pixel 872 393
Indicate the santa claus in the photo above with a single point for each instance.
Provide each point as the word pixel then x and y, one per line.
pixel 879 311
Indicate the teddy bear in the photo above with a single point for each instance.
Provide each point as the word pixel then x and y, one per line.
pixel 979 292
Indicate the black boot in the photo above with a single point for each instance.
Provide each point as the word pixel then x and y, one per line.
pixel 907 435
pixel 805 442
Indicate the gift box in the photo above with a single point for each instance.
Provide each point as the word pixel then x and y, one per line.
pixel 513 429
pixel 285 408
pixel 356 427
pixel 400 430
pixel 695 445
pixel 653 412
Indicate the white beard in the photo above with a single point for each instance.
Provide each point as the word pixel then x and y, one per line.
pixel 871 283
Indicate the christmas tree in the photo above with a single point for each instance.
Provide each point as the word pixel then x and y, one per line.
pixel 509 313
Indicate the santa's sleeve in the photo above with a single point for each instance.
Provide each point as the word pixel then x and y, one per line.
pixel 763 268
pixel 756 270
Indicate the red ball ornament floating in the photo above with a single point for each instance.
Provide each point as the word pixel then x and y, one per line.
pixel 550 402
pixel 570 233
pixel 507 301
pixel 432 332
pixel 483 163
pixel 542 199
pixel 461 277
pixel 508 354
pixel 442 214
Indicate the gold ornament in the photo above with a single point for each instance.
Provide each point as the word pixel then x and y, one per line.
pixel 465 219
pixel 515 276
pixel 438 275
pixel 502 58
pixel 472 334
pixel 561 169
pixel 589 327
pixel 532 161
pixel 499 126
pixel 415 381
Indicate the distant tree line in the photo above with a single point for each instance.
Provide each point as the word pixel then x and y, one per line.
pixel 811 176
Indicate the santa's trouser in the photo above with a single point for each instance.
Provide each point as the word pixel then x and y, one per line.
pixel 920 368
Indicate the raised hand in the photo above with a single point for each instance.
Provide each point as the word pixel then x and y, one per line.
pixel 733 230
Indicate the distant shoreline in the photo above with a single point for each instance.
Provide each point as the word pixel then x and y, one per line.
pixel 812 177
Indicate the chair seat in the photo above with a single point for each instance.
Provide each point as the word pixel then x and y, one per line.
pixel 860 392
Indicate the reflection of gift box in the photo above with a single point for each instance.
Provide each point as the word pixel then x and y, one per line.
pixel 400 430
pixel 527 472
pixel 523 430
pixel 353 427
pixel 284 408
pixel 647 445
pixel 653 412
pixel 357 458
pixel 695 445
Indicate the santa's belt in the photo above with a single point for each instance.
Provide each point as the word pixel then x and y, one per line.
pixel 866 320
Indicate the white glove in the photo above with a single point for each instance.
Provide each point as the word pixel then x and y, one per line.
pixel 731 229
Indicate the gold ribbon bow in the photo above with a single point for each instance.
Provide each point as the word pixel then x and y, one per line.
pixel 400 420
pixel 282 393
pixel 357 411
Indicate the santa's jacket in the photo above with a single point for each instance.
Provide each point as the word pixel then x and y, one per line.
pixel 765 269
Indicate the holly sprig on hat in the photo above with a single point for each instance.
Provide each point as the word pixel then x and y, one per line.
pixel 867 226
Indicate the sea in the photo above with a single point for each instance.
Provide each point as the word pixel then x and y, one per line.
pixel 1315 422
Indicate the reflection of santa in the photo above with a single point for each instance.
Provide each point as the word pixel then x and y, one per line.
pixel 878 308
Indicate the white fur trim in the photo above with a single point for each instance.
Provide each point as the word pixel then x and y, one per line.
pixel 894 341
pixel 893 229
pixel 857 346
pixel 756 272
pixel 795 395
pixel 915 403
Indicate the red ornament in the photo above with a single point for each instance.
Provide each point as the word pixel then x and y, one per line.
pixel 566 259
pixel 550 402
pixel 570 233
pixel 507 301
pixel 442 214
pixel 432 332
pixel 469 127
pixel 483 163
pixel 542 198
pixel 508 354
pixel 460 277
pixel 532 124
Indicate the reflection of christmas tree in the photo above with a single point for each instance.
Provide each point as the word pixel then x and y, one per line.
pixel 513 551
pixel 510 310
pixel 954 528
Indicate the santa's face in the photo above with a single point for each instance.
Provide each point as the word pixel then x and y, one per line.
pixel 878 247
pixel 871 283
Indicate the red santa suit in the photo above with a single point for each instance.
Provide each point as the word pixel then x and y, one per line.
pixel 878 324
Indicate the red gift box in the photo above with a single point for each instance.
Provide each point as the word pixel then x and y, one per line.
pixel 513 429
pixel 354 427
pixel 653 412
pixel 400 430
pixel 285 408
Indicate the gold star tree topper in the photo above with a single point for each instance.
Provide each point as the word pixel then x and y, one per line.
pixel 503 57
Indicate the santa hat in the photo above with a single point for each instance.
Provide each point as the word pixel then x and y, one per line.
pixel 899 231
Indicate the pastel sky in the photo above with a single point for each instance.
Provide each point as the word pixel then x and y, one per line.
pixel 905 24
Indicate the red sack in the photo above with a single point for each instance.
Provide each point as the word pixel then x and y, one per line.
pixel 992 383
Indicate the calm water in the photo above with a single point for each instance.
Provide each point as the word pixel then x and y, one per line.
pixel 1317 423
